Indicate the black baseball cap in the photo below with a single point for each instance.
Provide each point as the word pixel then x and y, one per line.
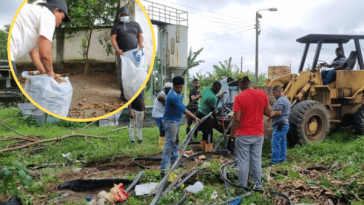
pixel 62 5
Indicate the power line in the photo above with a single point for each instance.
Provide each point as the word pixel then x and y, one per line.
pixel 225 35
pixel 224 30
pixel 222 22
pixel 277 31
pixel 280 37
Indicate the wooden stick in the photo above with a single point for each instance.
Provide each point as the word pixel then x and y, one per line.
pixel 49 140
pixel 85 126
pixel 1 123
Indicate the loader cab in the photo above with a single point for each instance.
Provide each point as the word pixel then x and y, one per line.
pixel 355 56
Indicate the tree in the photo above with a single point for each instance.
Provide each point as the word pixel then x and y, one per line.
pixel 4 42
pixel 191 59
pixel 88 15
pixel 226 69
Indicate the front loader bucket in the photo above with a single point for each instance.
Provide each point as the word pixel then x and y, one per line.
pixel 268 127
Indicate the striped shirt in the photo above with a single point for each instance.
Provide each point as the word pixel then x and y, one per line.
pixel 338 60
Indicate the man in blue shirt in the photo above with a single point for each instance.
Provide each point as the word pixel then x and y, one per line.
pixel 282 109
pixel 174 108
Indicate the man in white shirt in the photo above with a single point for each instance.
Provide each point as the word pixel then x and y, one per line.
pixel 33 33
pixel 158 112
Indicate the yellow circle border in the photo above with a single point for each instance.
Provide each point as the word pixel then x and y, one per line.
pixel 90 119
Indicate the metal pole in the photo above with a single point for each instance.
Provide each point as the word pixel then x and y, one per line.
pixel 256 46
pixel 151 84
pixel 241 68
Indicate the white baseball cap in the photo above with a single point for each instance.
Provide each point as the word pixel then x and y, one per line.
pixel 168 85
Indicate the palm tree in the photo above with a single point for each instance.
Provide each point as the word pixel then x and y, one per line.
pixel 226 69
pixel 191 60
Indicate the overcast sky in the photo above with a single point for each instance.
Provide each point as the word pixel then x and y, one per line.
pixel 223 30
pixel 225 34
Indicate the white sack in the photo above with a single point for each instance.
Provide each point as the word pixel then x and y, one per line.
pixel 48 93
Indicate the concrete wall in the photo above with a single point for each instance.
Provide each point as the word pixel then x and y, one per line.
pixel 97 54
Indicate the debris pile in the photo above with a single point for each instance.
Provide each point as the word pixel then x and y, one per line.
pixel 78 111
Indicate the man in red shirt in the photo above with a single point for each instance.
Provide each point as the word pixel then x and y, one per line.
pixel 248 129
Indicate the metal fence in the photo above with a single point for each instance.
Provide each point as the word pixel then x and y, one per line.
pixel 165 14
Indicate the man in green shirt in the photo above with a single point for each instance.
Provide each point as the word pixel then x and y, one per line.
pixel 208 104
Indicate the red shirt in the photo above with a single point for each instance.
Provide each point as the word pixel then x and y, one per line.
pixel 251 103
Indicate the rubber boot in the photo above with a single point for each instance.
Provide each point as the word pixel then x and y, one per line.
pixel 209 147
pixel 162 141
pixel 203 143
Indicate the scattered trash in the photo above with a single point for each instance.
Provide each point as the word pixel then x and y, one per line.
pixel 97 202
pixel 197 187
pixel 88 198
pixel 144 189
pixel 237 201
pixel 59 197
pixel 213 195
pixel 334 165
pixel 68 155
pixel 116 194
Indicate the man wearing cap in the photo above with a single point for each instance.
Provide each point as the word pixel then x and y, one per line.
pixel 158 111
pixel 33 33
pixel 126 35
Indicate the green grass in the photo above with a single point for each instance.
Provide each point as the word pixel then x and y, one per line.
pixel 343 147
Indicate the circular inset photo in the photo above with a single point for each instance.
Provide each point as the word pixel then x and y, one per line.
pixel 81 62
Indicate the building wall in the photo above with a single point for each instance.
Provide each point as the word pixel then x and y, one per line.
pixel 97 53
pixel 278 71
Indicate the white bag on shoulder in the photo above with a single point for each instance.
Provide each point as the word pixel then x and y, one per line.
pixel 48 93
pixel 134 71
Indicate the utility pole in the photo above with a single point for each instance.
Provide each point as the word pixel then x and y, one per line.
pixel 257 32
pixel 241 68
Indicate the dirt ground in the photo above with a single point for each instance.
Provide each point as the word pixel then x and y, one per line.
pixel 94 95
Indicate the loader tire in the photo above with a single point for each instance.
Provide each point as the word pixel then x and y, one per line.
pixel 359 121
pixel 309 122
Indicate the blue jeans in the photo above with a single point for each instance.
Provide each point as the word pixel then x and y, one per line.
pixel 170 150
pixel 160 125
pixel 279 144
pixel 328 76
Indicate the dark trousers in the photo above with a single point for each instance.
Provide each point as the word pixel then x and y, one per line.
pixel 190 122
pixel 14 67
pixel 120 79
pixel 206 128
pixel 328 76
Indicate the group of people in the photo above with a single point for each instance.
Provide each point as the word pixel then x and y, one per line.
pixel 247 129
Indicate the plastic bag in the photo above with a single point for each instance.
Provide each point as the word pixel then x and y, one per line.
pixel 197 187
pixel 116 194
pixel 134 71
pixel 48 93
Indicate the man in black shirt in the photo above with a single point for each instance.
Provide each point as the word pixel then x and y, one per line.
pixel 195 96
pixel 126 35
pixel 137 112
